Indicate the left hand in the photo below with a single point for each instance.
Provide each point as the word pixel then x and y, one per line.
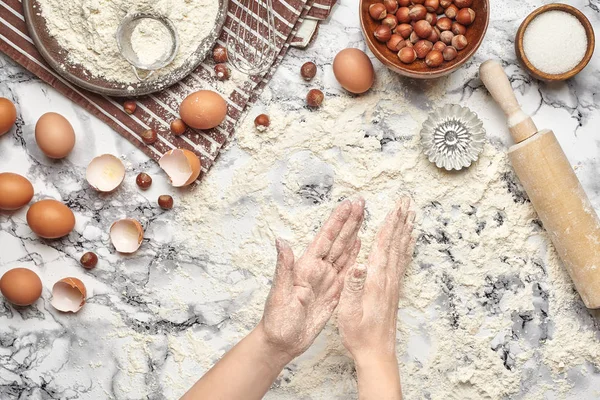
pixel 306 291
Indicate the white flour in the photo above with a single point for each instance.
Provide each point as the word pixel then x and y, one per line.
pixel 150 41
pixel 86 30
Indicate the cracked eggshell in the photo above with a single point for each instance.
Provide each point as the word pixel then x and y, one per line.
pixel 181 165
pixel 105 173
pixel 126 235
pixel 68 295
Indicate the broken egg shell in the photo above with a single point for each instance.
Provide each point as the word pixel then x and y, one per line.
pixel 181 165
pixel 126 235
pixel 68 295
pixel 105 173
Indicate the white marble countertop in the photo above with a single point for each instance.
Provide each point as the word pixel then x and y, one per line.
pixel 155 321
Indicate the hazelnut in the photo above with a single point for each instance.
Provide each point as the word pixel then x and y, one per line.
pixel 149 136
pixel 413 38
pixel 403 44
pixel 262 122
pixel 431 18
pixel 143 180
pixel 383 33
pixel 417 13
pixel 404 3
pixel 377 11
pixel 390 20
pixel 178 127
pixel 459 42
pixel 89 260
pixel 458 29
pixel 434 59
pixel 314 98
pixel 451 11
pixel 465 16
pixel 463 3
pixel 422 47
pixel 423 29
pixel 444 24
pixel 439 46
pixel 394 42
pixel 431 5
pixel 222 72
pixel 445 3
pixel 220 54
pixel 308 70
pixel 439 11
pixel 165 202
pixel 407 55
pixel 418 1
pixel 404 30
pixel 403 15
pixel 391 6
pixel 446 37
pixel 435 35
pixel 449 53
pixel 129 106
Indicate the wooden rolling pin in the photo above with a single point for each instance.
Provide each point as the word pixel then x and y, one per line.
pixel 552 187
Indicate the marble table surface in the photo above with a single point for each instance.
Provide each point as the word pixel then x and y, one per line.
pixel 156 320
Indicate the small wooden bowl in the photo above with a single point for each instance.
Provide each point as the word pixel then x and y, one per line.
pixel 418 69
pixel 536 73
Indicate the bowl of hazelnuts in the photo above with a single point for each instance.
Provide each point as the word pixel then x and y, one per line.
pixel 424 39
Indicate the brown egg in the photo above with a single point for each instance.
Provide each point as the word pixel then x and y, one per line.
pixel 353 70
pixel 8 115
pixel 15 191
pixel 204 109
pixel 50 219
pixel 21 286
pixel 54 135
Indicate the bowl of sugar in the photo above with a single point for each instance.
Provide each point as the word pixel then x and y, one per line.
pixel 555 42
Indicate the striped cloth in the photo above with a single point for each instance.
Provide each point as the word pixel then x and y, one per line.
pixel 157 110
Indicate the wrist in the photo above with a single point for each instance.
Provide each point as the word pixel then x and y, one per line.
pixel 274 355
pixel 375 360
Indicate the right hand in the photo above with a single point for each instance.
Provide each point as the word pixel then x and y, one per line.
pixel 368 306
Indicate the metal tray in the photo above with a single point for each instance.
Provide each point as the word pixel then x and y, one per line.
pixel 76 74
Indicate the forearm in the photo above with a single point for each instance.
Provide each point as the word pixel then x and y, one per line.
pixel 245 372
pixel 378 379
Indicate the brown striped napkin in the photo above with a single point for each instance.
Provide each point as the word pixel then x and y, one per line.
pixel 156 111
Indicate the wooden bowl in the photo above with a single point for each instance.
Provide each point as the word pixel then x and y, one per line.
pixel 536 73
pixel 418 69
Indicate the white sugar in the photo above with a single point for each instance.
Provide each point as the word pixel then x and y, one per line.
pixel 555 42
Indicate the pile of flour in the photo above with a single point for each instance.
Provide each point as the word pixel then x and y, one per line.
pixel 86 30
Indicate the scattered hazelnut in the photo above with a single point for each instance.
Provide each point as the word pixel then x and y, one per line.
pixel 459 42
pixel 178 127
pixel 417 13
pixel 431 18
pixel 449 53
pixel 445 3
pixel 451 11
pixel 262 122
pixel 404 3
pixel 422 47
pixel 165 202
pixel 143 180
pixel 383 33
pixel 377 11
pixel 463 3
pixel 394 42
pixel 129 106
pixel 444 24
pixel 314 98
pixel 434 59
pixel 431 5
pixel 435 35
pixel 458 29
pixel 220 54
pixel 149 136
pixel 446 37
pixel 308 70
pixel 89 260
pixel 439 46
pixel 403 15
pixel 423 29
pixel 222 72
pixel 390 20
pixel 465 16
pixel 404 30
pixel 413 38
pixel 391 6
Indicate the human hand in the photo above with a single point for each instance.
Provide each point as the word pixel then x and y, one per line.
pixel 369 302
pixel 306 291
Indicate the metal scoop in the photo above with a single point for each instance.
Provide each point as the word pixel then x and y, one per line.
pixel 124 42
